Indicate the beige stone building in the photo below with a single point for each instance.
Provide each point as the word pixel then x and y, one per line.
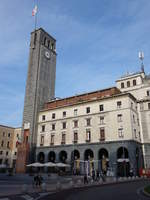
pixel 112 123
pixel 8 145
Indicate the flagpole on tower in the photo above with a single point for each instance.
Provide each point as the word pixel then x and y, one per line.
pixel 34 14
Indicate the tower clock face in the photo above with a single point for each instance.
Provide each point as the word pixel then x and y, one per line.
pixel 47 54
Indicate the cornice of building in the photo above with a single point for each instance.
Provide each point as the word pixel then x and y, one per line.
pixel 92 100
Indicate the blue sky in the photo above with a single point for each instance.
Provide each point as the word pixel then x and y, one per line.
pixel 97 42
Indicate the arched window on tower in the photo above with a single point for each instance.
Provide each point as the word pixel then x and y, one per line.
pixel 134 82
pixel 128 83
pixel 45 41
pixel 48 43
pixel 122 85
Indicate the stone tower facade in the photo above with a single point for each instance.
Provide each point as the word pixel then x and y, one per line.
pixel 40 85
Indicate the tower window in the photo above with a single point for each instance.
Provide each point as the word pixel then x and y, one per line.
pixel 45 41
pixel 122 85
pixel 128 83
pixel 134 82
pixel 48 43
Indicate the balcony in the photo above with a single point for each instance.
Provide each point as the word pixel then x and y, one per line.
pixel 52 143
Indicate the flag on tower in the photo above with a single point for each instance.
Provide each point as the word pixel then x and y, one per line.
pixel 34 11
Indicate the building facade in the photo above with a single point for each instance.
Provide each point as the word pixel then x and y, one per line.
pixel 97 125
pixel 138 85
pixel 8 145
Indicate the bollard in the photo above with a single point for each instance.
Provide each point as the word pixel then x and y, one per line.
pixel 71 184
pixel 79 183
pixel 58 186
pixel 24 188
pixel 43 187
pixel 114 179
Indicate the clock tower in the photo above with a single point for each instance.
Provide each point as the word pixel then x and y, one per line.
pixel 40 85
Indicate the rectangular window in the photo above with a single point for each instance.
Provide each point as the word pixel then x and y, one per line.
pixel 53 115
pixel 88 135
pixel 43 117
pixel 141 106
pixel 1 152
pixel 64 125
pixel 75 137
pixel 15 153
pixel 148 106
pixel 1 160
pixel 8 145
pixel 43 128
pixel 2 143
pixel 63 141
pixel 102 134
pixel 88 110
pixel 120 133
pixel 42 140
pixel 75 123
pixel 119 117
pixel 64 114
pixel 88 122
pixel 119 103
pixel 6 162
pixel 75 112
pixel 6 153
pixel 53 127
pixel 8 134
pixel 52 139
pixel 101 107
pixel 134 119
pixel 3 134
pixel 148 92
pixel 135 133
pixel 101 119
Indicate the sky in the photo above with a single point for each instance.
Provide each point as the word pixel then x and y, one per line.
pixel 97 42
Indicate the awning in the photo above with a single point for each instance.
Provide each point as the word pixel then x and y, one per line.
pixel 123 160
